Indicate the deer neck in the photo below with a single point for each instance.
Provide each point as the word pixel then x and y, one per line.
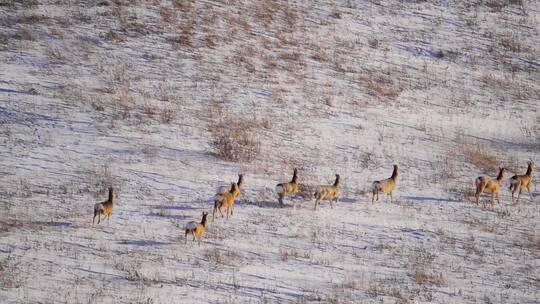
pixel 203 221
pixel 394 175
pixel 240 181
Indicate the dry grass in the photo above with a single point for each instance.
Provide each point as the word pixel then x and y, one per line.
pixel 168 114
pixel 493 81
pixel 183 6
pixel 470 246
pixel 222 257
pixel 320 54
pixel 446 238
pixel 167 14
pixel 54 55
pixel 512 42
pixel 125 100
pixel 235 140
pixel 477 155
pixel 290 56
pixel 11 273
pixel 381 85
pixel 532 241
pixel 421 261
pixel 423 277
pixel 266 11
pixel 113 36
pixel 481 158
pixel 213 255
pixel 378 289
pixel 444 169
pixel 184 38
pixel 24 34
pixel 498 6
pixel 286 253
pixel 234 136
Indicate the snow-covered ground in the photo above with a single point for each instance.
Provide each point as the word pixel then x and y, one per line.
pixel 137 94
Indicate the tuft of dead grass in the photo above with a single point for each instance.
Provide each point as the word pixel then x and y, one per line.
pixel 512 42
pixel 423 277
pixel 381 85
pixel 477 155
pixel 11 273
pixel 234 138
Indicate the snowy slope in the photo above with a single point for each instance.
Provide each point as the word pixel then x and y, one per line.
pixel 134 94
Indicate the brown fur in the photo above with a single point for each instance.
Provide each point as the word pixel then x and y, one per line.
pixel 239 183
pixel 388 185
pixel 105 208
pixel 518 182
pixel 226 200
pixel 485 184
pixel 285 189
pixel 329 193
pixel 197 230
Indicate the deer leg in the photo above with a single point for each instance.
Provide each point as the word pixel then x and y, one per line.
pixel 529 190
pixel 519 194
pixel 513 191
pixel 479 192
pixel 331 206
pixel 219 209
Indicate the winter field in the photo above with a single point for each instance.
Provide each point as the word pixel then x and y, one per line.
pixel 168 101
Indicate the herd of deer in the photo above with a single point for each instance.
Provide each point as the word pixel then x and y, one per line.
pixel 226 196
